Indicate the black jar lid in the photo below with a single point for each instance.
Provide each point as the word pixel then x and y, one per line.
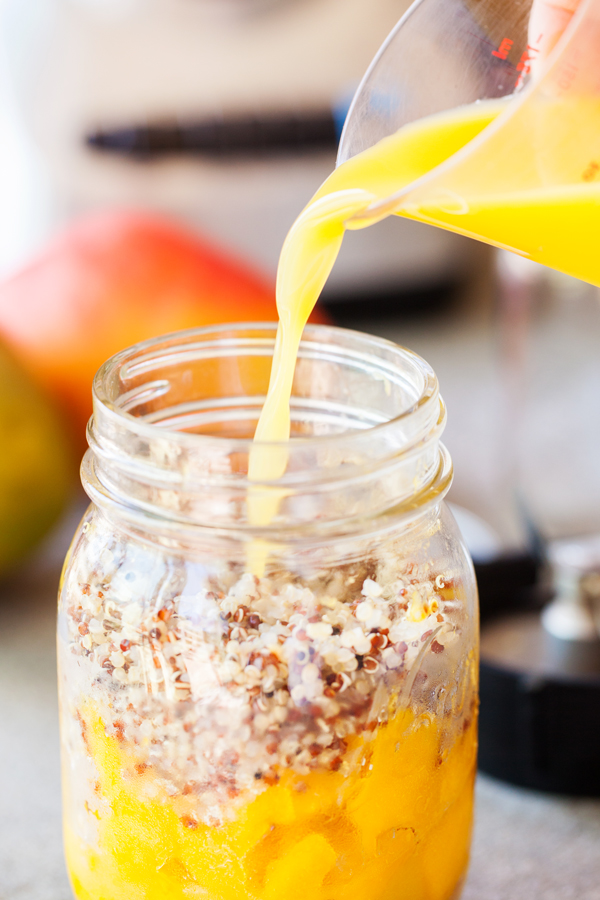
pixel 540 693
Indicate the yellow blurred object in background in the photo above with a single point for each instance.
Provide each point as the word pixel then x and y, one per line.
pixel 35 467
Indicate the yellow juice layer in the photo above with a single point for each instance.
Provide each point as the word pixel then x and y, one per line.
pixel 557 227
pixel 397 827
pixel 533 185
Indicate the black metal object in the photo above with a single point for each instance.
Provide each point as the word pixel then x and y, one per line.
pixel 507 583
pixel 540 696
pixel 272 134
pixel 539 731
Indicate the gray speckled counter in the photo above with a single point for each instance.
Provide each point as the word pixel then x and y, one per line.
pixel 527 846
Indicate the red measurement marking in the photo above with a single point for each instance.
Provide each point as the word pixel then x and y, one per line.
pixel 504 49
pixel 567 75
pixel 524 65
pixel 525 61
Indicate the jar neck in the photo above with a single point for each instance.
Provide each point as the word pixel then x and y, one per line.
pixel 170 437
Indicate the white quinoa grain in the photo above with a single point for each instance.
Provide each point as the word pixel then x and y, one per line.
pixel 364 611
pixel 391 658
pixel 371 589
pixel 310 674
pixel 318 631
pixel 279 714
pixel 133 674
pixel 261 722
pixel 298 693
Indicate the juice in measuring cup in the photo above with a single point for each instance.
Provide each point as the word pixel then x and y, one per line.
pixel 522 185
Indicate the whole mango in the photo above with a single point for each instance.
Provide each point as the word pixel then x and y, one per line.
pixel 35 466
pixel 113 279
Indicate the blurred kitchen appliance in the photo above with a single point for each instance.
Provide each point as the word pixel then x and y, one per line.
pixel 540 680
pixel 540 608
pixel 224 112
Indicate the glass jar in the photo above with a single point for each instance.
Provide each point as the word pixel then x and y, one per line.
pixel 306 732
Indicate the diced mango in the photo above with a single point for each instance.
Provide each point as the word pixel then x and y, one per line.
pixel 273 807
pixel 447 853
pixel 458 764
pixel 300 873
pixel 401 788
pixel 311 796
pixel 398 828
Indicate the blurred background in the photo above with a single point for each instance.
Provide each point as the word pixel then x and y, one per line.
pixel 154 154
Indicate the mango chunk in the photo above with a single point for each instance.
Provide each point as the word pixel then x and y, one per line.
pixel 300 873
pixel 273 807
pixel 448 844
pixel 400 788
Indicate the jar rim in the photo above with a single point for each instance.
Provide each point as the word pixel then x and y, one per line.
pixel 348 380
pixel 113 409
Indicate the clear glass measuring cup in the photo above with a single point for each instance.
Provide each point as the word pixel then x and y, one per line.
pixel 521 122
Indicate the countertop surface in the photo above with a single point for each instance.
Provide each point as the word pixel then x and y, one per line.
pixel 526 845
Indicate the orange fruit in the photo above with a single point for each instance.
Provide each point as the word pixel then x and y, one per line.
pixel 113 279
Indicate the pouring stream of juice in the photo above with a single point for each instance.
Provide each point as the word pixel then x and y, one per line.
pixel 544 204
pixel 307 257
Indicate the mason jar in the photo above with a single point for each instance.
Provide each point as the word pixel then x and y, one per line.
pixel 280 710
